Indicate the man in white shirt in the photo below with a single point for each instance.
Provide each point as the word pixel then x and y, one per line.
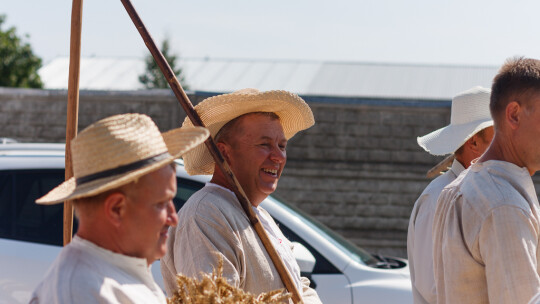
pixel 468 136
pixel 123 185
pixel 487 223
pixel 251 129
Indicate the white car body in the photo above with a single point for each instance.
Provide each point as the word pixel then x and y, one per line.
pixel 347 275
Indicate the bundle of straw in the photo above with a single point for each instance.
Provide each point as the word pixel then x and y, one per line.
pixel 214 289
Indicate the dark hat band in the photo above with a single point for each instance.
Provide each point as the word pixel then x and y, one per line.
pixel 122 169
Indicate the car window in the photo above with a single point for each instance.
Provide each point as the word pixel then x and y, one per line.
pixel 322 265
pixel 185 188
pixel 22 219
pixel 355 252
pixel 6 191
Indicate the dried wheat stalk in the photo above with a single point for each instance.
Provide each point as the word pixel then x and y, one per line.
pixel 214 289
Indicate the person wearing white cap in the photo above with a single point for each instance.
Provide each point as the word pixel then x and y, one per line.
pixel 486 229
pixel 468 136
pixel 122 188
pixel 251 129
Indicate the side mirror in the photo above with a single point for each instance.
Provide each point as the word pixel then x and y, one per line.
pixel 304 258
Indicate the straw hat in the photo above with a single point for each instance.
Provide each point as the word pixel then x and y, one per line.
pixel 117 150
pixel 294 113
pixel 469 115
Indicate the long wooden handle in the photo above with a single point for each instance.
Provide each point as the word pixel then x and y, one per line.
pixel 214 151
pixel 72 105
pixel 443 165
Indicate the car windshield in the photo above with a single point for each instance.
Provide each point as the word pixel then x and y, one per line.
pixel 357 253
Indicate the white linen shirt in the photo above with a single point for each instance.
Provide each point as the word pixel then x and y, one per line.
pixel 485 236
pixel 86 273
pixel 213 225
pixel 419 244
pixel 282 245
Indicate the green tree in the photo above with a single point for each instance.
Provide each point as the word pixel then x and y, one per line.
pixel 18 64
pixel 153 78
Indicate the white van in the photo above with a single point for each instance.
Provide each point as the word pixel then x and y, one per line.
pixel 31 236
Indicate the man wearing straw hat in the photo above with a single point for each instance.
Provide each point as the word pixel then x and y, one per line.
pixel 468 136
pixel 122 188
pixel 486 228
pixel 251 129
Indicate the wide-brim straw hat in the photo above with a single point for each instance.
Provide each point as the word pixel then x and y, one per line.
pixel 294 113
pixel 118 150
pixel 469 115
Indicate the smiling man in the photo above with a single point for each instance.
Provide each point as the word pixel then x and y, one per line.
pixel 251 129
pixel 123 188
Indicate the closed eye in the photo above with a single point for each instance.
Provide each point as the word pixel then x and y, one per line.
pixel 162 205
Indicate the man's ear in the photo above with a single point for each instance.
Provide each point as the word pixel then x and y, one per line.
pixel 474 143
pixel 224 149
pixel 513 114
pixel 115 208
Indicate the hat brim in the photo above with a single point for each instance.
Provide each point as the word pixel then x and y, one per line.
pixel 178 141
pixel 295 115
pixel 450 138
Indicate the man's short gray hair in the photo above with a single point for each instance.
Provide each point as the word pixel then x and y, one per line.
pixel 224 134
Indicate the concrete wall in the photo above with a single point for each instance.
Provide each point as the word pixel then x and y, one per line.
pixel 358 170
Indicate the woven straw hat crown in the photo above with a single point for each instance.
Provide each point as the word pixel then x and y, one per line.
pixel 294 113
pixel 96 148
pixel 117 150
pixel 469 115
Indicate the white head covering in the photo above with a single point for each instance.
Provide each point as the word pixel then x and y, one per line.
pixel 469 115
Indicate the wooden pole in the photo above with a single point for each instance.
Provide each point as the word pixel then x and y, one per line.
pixel 440 167
pixel 214 151
pixel 72 105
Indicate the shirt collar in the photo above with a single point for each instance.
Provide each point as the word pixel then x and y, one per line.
pixel 519 177
pixel 457 167
pixel 508 166
pixel 136 266
pixel 210 184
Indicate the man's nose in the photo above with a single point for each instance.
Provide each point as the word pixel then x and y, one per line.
pixel 172 217
pixel 278 155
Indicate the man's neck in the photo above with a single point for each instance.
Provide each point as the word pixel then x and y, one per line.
pixel 502 148
pixel 463 161
pixel 220 180
pixel 104 238
pixel 466 156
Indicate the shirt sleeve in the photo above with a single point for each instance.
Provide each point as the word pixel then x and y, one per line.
pixel 309 295
pixel 508 242
pixel 419 248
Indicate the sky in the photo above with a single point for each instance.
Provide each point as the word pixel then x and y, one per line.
pixel 394 31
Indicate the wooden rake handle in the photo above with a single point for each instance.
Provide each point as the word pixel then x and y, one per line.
pixel 438 168
pixel 72 106
pixel 214 151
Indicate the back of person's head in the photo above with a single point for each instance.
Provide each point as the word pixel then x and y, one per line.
pixel 86 207
pixel 517 80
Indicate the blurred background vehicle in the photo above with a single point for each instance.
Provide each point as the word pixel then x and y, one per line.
pixel 31 235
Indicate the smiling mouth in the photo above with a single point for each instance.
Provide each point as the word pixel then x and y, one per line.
pixel 165 232
pixel 272 172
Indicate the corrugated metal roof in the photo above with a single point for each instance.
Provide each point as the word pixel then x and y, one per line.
pixel 341 79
